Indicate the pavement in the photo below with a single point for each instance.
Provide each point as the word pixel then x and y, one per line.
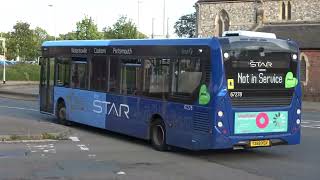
pixel 26 90
pixel 13 127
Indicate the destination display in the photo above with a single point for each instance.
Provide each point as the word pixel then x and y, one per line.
pixel 251 73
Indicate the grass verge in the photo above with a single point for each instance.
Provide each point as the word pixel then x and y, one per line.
pixel 43 136
pixel 21 72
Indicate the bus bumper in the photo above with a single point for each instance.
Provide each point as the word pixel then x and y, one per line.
pixel 217 140
pixel 242 142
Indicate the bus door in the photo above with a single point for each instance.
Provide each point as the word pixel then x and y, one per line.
pixel 46 85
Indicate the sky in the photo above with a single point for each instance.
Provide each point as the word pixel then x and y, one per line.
pixel 62 16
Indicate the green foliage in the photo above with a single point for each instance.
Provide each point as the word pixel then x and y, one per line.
pixel 25 42
pixel 186 26
pixel 88 30
pixel 21 72
pixel 124 28
pixel 68 36
pixel 1 50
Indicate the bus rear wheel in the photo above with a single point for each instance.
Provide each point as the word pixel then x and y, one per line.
pixel 158 135
pixel 62 114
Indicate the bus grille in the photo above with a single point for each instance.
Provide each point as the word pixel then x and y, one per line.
pixel 261 102
pixel 201 121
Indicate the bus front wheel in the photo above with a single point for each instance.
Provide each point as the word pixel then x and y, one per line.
pixel 62 114
pixel 158 135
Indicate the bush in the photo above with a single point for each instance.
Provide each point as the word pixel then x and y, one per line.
pixel 21 72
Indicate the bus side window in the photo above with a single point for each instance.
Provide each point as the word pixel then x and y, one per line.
pixel 99 73
pixel 79 76
pixel 114 75
pixel 186 77
pixel 130 76
pixel 62 72
pixel 156 77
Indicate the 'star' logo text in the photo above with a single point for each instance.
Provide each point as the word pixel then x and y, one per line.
pixel 110 108
pixel 260 64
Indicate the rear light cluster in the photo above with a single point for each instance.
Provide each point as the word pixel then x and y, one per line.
pixel 298 121
pixel 220 124
pixel 296 127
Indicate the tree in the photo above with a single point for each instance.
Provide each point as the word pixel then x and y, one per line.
pixel 25 42
pixel 39 36
pixel 124 28
pixel 68 36
pixel 1 50
pixel 186 26
pixel 87 30
pixel 21 41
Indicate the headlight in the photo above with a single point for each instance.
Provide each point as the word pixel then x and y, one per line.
pixel 220 124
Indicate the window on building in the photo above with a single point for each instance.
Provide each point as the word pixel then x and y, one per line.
pixel 79 77
pixel 99 73
pixel 156 77
pixel 283 11
pixel 130 76
pixel 222 22
pixel 303 68
pixel 289 11
pixel 220 27
pixel 63 72
pixel 186 76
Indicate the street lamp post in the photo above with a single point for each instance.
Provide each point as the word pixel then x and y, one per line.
pixel 139 2
pixel 4 71
pixel 164 18
pixel 54 20
pixel 3 46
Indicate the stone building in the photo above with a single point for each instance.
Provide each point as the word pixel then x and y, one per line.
pixel 288 19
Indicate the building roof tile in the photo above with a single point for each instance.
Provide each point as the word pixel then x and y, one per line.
pixel 307 35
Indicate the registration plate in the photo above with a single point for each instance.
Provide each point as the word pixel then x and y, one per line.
pixel 260 143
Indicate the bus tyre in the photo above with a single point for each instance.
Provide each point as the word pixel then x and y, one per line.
pixel 158 135
pixel 62 114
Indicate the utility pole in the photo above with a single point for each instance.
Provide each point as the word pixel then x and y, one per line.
pixel 3 46
pixel 152 34
pixel 54 20
pixel 167 29
pixel 139 2
pixel 164 18
pixel 4 71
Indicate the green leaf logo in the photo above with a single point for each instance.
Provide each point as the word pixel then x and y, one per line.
pixel 290 81
pixel 204 95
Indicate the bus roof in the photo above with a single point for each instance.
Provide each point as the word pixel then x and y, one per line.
pixel 130 42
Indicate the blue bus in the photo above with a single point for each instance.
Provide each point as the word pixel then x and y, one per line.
pixel 208 93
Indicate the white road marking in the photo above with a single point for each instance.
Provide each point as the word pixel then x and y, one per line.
pixel 49 150
pixel 121 173
pixel 83 147
pixel 76 139
pixel 92 155
pixel 46 148
pixel 20 108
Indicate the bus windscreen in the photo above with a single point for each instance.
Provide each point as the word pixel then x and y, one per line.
pixel 260 68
